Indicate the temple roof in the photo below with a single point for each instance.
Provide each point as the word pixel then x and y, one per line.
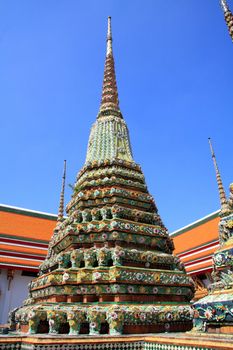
pixel 24 236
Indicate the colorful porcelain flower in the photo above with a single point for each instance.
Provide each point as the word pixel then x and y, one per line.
pixel 113 315
pixel 142 316
pixel 141 239
pixel 116 288
pixel 97 275
pixel 115 235
pixel 157 277
pixel 139 276
pixel 169 316
pixel 208 314
pixel 31 314
pixel 130 289
pixel 65 277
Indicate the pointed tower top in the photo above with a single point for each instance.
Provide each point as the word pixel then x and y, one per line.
pixel 109 38
pixel 228 17
pixel 109 100
pixel 224 5
pixel 109 138
pixel 61 205
pixel 222 194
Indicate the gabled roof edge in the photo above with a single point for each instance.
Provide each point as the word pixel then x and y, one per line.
pixel 196 223
pixel 28 212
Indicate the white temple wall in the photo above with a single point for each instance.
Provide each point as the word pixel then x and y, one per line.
pixel 12 294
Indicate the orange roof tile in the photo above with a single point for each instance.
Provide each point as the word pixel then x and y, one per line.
pixel 24 236
pixel 196 236
pixel 19 261
pixel 199 266
pixel 22 249
pixel 20 225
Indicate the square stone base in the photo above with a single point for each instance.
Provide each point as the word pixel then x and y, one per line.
pixel 171 341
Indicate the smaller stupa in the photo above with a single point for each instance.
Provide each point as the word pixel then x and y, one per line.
pixel 228 17
pixel 214 313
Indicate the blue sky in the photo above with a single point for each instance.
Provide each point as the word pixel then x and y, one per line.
pixel 174 72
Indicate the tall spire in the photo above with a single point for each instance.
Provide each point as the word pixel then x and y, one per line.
pixel 109 100
pixel 228 16
pixel 109 137
pixel 222 194
pixel 61 205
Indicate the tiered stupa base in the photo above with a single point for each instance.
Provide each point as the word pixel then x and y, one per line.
pixel 105 318
pixel 215 313
pixel 110 268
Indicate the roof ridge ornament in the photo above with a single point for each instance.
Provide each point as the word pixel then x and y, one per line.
pixel 222 194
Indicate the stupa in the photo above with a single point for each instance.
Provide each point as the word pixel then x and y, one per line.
pixel 228 17
pixel 110 267
pixel 214 313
